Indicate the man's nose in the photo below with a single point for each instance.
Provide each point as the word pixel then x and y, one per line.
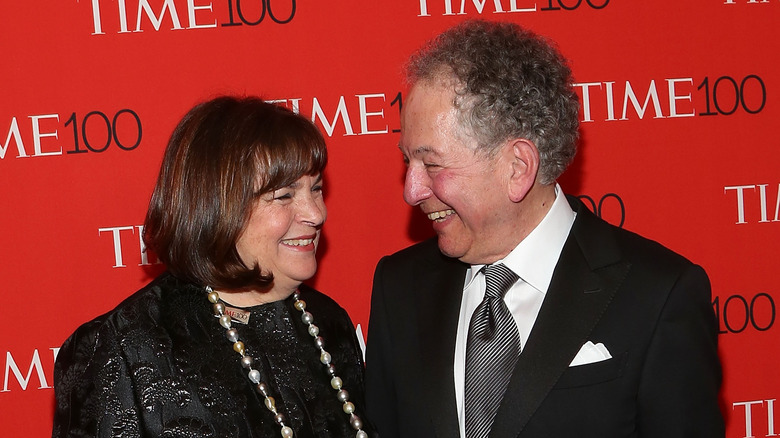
pixel 416 185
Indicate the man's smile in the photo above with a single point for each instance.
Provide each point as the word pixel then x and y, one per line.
pixel 440 215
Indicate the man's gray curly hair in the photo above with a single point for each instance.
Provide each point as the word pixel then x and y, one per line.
pixel 509 83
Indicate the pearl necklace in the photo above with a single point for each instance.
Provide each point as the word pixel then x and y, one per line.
pixel 254 375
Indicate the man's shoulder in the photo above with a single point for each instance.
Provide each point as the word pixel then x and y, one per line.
pixel 420 256
pixel 597 236
pixel 653 258
pixel 426 248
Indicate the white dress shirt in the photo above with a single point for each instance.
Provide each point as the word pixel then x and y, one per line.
pixel 533 260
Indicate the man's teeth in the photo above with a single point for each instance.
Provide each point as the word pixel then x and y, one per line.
pixel 440 214
pixel 298 242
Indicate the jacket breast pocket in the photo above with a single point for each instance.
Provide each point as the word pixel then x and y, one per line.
pixel 593 373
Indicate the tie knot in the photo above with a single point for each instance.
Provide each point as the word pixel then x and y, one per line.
pixel 498 280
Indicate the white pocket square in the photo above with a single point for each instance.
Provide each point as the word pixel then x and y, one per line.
pixel 591 353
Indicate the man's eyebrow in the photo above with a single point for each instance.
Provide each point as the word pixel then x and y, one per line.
pixel 419 150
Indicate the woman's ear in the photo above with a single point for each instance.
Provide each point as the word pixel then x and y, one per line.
pixel 524 159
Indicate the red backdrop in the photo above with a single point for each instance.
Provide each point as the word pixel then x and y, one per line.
pixel 680 108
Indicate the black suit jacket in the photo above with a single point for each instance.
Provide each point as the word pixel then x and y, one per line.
pixel 650 307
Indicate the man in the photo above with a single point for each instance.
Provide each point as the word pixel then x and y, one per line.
pixel 609 334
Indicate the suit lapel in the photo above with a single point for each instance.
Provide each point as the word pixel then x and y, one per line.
pixel 588 274
pixel 438 311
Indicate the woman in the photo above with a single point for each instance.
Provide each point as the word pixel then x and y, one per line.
pixel 224 344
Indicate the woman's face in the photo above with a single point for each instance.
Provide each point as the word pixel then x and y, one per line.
pixel 283 232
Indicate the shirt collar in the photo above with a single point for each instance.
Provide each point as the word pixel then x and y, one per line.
pixel 534 259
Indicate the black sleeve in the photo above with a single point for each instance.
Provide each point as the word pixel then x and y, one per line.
pixel 380 393
pixel 678 393
pixel 93 389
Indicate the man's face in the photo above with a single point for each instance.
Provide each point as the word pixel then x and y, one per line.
pixel 460 190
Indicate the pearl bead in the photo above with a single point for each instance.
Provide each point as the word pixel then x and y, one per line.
pixel 300 305
pixel 314 330
pixel 348 408
pixel 238 346
pixel 331 370
pixel 263 388
pixel 246 361
pixel 287 432
pixel 361 434
pixel 336 382
pixel 325 357
pixel 319 342
pixel 219 308
pixel 224 321
pixel 270 404
pixel 232 335
pixel 254 376
pixel 342 395
pixel 307 318
pixel 279 418
pixel 213 296
pixel 356 422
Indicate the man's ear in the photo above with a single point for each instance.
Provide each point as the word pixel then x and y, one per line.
pixel 524 159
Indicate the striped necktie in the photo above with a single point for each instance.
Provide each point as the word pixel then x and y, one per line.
pixel 492 348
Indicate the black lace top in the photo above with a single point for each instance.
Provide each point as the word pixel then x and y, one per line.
pixel 160 365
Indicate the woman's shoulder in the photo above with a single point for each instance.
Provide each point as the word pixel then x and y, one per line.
pixel 141 309
pixel 335 325
pixel 326 311
pixel 318 302
pixel 98 365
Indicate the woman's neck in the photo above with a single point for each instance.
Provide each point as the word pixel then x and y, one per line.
pixel 255 297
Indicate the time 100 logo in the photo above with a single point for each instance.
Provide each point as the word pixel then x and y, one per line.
pixel 737 313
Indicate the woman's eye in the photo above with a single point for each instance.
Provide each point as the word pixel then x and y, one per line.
pixel 282 196
pixel 317 188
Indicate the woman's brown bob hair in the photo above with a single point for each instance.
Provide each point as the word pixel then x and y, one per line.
pixel 221 155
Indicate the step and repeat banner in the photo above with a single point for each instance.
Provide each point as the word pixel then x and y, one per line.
pixel 680 114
